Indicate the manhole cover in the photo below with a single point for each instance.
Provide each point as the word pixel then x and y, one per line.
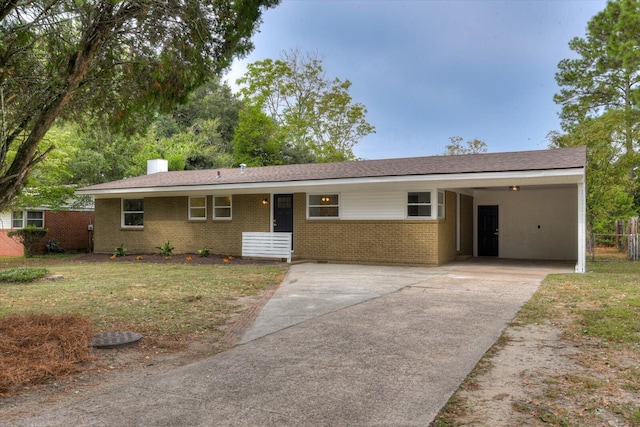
pixel 113 339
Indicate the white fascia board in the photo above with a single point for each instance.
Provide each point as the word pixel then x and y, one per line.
pixel 461 180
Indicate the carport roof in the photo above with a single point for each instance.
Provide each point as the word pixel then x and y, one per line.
pixel 554 159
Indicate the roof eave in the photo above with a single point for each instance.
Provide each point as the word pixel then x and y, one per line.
pixel 571 175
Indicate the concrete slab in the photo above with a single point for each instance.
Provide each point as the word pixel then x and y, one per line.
pixel 390 360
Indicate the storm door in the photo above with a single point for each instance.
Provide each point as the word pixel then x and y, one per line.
pixel 488 230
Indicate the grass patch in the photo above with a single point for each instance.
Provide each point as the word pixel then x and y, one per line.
pixel 44 326
pixel 601 304
pixel 22 274
pixel 153 299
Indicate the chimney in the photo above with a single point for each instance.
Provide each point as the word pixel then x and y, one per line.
pixel 157 165
pixel 243 167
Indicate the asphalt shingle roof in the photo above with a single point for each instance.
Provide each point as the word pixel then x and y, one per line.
pixel 561 158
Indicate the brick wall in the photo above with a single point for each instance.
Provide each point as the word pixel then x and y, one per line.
pixel 413 242
pixel 166 218
pixel 9 247
pixel 370 241
pixel 69 228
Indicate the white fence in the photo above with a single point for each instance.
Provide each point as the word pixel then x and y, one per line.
pixel 266 245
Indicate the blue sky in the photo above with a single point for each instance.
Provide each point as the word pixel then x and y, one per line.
pixel 428 70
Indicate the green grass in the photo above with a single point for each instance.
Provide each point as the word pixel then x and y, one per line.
pixel 603 303
pixel 155 299
pixel 22 274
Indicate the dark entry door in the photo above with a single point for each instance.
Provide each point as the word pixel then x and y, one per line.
pixel 488 231
pixel 283 214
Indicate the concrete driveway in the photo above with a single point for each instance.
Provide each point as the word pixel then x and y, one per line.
pixel 336 345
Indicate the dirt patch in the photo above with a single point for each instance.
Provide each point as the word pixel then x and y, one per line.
pixel 536 377
pixel 157 258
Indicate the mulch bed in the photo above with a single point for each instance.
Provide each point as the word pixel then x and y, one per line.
pixel 194 259
pixel 38 347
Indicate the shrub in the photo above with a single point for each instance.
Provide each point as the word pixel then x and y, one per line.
pixel 53 247
pixel 204 252
pixel 120 250
pixel 22 274
pixel 166 249
pixel 28 236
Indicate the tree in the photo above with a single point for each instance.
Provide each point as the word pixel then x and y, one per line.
pixel 607 197
pixel 457 147
pixel 318 116
pixel 606 75
pixel 258 141
pixel 112 62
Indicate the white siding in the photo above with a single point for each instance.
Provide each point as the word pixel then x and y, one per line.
pixel 5 220
pixel 373 205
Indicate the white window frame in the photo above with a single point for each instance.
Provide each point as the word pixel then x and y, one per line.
pixel 192 217
pixel 430 204
pixel 323 205
pixel 14 220
pixel 441 206
pixel 216 207
pixel 24 218
pixel 123 213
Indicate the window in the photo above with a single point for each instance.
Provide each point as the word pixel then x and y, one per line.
pixel 419 204
pixel 440 204
pixel 324 206
pixel 33 219
pixel 198 207
pixel 222 207
pixel 132 212
pixel 17 219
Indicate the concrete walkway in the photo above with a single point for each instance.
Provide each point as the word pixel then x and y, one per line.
pixel 336 345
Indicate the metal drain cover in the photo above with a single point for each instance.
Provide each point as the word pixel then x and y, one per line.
pixel 114 339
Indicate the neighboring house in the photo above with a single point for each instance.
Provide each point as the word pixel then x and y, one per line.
pixel 71 227
pixel 417 211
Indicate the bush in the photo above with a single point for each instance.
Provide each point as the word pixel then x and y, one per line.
pixel 22 274
pixel 120 250
pixel 204 252
pixel 28 236
pixel 166 249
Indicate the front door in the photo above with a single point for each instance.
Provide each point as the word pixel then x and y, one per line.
pixel 283 214
pixel 488 230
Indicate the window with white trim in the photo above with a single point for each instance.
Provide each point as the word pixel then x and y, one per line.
pixel 221 207
pixel 440 204
pixel 32 218
pixel 133 212
pixel 419 204
pixel 198 207
pixel 17 219
pixel 323 205
pixel 35 219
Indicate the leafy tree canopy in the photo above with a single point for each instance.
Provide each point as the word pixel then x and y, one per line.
pixel 608 195
pixel 600 99
pixel 318 118
pixel 606 74
pixel 470 147
pixel 100 61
